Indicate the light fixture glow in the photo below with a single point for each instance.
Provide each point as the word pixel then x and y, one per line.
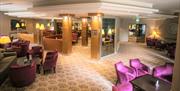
pixel 17 25
pixel 37 25
pixel 102 32
pixel 4 40
pixel 22 24
pixel 110 31
pixel 48 25
pixel 42 27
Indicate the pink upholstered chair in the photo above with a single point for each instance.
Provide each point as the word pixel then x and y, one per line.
pixel 50 61
pixel 164 72
pixel 124 73
pixel 21 76
pixel 123 87
pixel 141 69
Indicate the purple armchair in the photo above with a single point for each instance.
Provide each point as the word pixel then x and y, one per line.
pixel 171 48
pixel 159 44
pixel 22 75
pixel 37 51
pixel 123 87
pixel 141 69
pixel 21 48
pixel 164 72
pixel 50 61
pixel 124 73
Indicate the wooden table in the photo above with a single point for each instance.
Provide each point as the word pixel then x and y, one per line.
pixel 147 83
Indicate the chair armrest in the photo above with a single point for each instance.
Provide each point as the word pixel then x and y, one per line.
pixel 145 67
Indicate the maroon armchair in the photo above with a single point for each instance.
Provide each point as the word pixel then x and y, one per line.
pixel 159 44
pixel 141 69
pixel 50 61
pixel 164 72
pixel 22 75
pixel 150 42
pixel 37 51
pixel 124 73
pixel 21 48
pixel 171 49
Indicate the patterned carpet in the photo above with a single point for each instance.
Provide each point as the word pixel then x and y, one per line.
pixel 78 72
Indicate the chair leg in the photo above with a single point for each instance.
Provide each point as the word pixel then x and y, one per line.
pixel 54 68
pixel 44 72
pixel 117 82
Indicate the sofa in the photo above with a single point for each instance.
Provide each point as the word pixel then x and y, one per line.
pixel 6 59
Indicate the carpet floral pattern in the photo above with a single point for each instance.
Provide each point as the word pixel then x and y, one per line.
pixel 78 72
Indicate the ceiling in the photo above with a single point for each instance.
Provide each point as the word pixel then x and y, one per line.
pixel 51 8
pixel 164 5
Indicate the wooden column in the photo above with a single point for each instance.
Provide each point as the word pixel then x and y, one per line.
pixel 176 73
pixel 96 25
pixel 67 33
pixel 84 32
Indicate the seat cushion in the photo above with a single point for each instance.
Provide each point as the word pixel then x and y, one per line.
pixel 167 77
pixel 141 72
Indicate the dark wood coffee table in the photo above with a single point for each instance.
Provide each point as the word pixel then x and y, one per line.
pixel 147 83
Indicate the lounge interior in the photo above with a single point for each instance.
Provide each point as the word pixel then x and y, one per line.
pixel 89 45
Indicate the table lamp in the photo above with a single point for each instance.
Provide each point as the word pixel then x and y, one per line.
pixel 4 40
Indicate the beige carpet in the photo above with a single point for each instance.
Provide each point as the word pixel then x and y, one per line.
pixel 77 72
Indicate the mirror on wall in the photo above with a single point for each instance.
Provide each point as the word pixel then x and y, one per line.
pixel 107 36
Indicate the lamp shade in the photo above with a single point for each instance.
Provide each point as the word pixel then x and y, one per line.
pixel 4 40
pixel 42 27
pixel 17 25
pixel 110 31
pixel 102 32
pixel 22 24
pixel 48 25
pixel 37 25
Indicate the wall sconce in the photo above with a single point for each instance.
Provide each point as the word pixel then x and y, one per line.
pixel 48 25
pixel 102 32
pixel 17 25
pixel 22 24
pixel 37 25
pixel 110 31
pixel 42 27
